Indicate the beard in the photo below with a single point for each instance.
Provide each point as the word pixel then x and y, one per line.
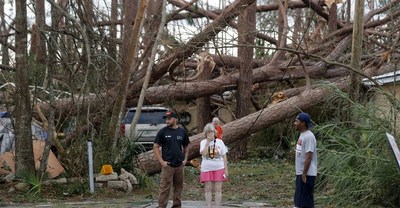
pixel 171 124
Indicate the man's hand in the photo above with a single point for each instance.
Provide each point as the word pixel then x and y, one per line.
pixel 304 178
pixel 184 162
pixel 164 164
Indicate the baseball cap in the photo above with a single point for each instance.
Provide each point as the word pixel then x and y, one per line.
pixel 170 114
pixel 304 117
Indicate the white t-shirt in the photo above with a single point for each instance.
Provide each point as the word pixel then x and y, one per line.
pixel 306 143
pixel 213 161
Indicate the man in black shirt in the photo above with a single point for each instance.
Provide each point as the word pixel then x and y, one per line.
pixel 173 156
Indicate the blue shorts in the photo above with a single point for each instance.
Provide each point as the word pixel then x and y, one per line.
pixel 304 195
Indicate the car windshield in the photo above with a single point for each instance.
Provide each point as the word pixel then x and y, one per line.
pixel 147 117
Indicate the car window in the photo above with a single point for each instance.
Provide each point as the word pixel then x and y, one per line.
pixel 147 117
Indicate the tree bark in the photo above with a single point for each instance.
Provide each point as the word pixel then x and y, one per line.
pixel 246 32
pixel 40 48
pixel 207 64
pixel 24 162
pixel 297 29
pixel 112 46
pixel 120 101
pixel 356 50
pixel 150 66
pixel 5 56
pixel 332 26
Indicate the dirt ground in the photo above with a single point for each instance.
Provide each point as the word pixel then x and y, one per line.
pixel 269 181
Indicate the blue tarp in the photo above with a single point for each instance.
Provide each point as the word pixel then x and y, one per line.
pixel 4 114
pixel 7 136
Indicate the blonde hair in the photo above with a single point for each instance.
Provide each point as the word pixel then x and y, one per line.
pixel 209 127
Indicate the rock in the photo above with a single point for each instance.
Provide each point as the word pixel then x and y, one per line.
pixel 56 181
pixel 22 186
pixel 98 185
pixel 112 177
pixel 75 180
pixel 129 187
pixel 8 178
pixel 127 175
pixel 11 190
pixel 120 185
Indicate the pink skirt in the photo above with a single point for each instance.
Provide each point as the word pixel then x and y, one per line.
pixel 213 176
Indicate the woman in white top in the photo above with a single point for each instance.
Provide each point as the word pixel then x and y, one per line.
pixel 214 168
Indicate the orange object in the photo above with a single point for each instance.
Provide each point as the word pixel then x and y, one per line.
pixel 106 169
pixel 219 131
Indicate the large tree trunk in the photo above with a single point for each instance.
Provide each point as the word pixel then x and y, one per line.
pixel 5 58
pixel 24 162
pixel 356 50
pixel 205 64
pixel 332 26
pixel 270 72
pixel 246 32
pixel 150 64
pixel 243 127
pixel 112 46
pixel 39 50
pixel 120 100
pixel 40 47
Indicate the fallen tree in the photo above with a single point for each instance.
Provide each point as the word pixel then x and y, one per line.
pixel 243 127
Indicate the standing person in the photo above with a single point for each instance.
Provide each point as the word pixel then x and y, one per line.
pixel 306 162
pixel 214 164
pixel 173 156
pixel 218 127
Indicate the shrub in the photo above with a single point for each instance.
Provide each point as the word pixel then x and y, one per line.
pixel 355 162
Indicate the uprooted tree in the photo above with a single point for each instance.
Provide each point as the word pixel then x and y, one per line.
pixel 89 52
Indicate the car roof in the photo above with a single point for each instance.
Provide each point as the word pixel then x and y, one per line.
pixel 149 108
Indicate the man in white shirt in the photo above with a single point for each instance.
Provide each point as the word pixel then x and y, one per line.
pixel 306 162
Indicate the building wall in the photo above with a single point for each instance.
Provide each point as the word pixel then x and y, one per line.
pixel 384 107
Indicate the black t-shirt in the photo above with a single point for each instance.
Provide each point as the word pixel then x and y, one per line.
pixel 172 142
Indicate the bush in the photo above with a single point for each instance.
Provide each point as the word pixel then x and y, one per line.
pixel 355 162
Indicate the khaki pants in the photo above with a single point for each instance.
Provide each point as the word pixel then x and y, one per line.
pixel 170 176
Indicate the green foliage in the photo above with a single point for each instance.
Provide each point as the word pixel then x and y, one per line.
pixel 77 158
pixel 125 157
pixel 272 142
pixel 145 181
pixel 76 188
pixel 355 162
pixel 34 181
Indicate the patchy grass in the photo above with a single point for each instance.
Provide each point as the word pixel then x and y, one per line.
pixel 261 180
